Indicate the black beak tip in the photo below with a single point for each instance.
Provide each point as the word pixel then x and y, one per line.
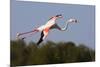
pixel 76 21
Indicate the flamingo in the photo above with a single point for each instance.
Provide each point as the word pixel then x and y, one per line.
pixel 51 24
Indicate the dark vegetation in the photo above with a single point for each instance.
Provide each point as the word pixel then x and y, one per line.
pixel 48 53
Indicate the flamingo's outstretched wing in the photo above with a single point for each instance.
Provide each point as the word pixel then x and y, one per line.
pixel 41 38
pixel 44 34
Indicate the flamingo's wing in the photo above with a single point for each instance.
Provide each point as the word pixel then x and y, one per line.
pixel 44 34
pixel 55 26
pixel 41 38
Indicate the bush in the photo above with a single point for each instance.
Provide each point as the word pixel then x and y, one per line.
pixel 49 53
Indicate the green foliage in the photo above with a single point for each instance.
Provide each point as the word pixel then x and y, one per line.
pixel 49 53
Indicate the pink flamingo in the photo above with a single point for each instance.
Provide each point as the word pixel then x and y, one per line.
pixel 51 24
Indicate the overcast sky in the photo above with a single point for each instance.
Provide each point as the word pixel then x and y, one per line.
pixel 25 16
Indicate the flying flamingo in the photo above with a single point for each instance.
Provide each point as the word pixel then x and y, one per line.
pixel 51 24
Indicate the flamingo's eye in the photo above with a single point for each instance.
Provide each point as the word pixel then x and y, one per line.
pixel 74 20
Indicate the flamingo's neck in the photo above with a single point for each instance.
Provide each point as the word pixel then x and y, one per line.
pixel 66 27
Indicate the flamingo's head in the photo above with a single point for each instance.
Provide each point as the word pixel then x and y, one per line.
pixel 72 20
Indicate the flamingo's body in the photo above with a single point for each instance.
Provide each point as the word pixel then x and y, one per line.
pixel 51 24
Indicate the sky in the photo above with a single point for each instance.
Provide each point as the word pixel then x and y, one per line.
pixel 25 16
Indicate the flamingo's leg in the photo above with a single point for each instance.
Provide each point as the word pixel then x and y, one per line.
pixel 19 34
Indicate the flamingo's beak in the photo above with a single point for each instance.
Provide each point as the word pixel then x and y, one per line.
pixel 76 21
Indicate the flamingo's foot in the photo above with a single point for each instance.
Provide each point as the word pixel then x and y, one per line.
pixel 17 35
pixel 23 38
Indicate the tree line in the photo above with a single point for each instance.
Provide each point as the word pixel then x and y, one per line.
pixel 22 53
